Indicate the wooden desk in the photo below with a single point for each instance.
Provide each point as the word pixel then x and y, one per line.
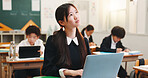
pixel 143 69
pixel 2 58
pixel 93 49
pixel 5 45
pixel 27 64
pixel 128 58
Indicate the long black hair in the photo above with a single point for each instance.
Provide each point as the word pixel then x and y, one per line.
pixel 88 28
pixel 61 40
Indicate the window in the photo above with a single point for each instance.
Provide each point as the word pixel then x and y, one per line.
pixel 117 13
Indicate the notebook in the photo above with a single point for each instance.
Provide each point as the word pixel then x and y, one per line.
pixel 29 52
pixel 102 66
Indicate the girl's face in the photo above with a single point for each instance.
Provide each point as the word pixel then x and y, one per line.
pixel 89 32
pixel 73 18
pixel 32 38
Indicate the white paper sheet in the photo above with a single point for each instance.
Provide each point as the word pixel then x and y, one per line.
pixel 7 4
pixel 35 5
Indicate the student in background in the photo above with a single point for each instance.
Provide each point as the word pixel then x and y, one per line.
pixel 87 33
pixel 66 49
pixel 113 43
pixel 32 35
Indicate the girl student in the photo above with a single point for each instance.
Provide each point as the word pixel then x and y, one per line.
pixel 66 49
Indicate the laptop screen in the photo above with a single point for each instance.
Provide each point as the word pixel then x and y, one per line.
pixel 102 66
pixel 29 51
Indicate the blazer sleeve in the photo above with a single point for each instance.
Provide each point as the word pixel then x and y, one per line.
pixel 87 46
pixel 106 46
pixel 50 58
pixel 119 45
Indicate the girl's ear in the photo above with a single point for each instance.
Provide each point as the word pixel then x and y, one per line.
pixel 61 22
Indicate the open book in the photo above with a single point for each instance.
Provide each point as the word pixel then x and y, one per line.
pixel 131 52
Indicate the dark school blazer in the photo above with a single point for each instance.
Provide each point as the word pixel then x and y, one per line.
pixel 51 57
pixel 90 38
pixel 106 45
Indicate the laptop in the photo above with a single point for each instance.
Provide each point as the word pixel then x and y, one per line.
pixel 29 52
pixel 102 66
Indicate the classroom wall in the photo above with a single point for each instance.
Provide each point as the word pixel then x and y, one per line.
pixel 132 41
pixel 96 12
pixel 88 9
pixel 141 16
pixel 132 18
pixel 48 22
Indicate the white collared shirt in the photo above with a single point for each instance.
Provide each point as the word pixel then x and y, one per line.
pixel 74 39
pixel 113 44
pixel 25 42
pixel 85 35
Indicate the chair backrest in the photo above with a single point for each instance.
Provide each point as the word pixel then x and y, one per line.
pixel 146 61
pixel 139 62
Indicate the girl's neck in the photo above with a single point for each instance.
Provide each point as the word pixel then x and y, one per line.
pixel 71 33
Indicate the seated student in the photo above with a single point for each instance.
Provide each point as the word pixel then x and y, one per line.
pixel 113 43
pixel 66 49
pixel 32 35
pixel 87 33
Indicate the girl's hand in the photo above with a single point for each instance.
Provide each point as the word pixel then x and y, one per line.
pixel 73 72
pixel 126 50
pixel 40 52
pixel 118 50
pixel 92 44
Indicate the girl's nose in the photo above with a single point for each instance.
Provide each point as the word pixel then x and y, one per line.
pixel 31 39
pixel 75 16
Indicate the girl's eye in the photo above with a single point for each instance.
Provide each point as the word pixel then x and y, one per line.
pixel 71 14
pixel 76 11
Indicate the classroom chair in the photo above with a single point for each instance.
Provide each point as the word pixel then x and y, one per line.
pixel 138 63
